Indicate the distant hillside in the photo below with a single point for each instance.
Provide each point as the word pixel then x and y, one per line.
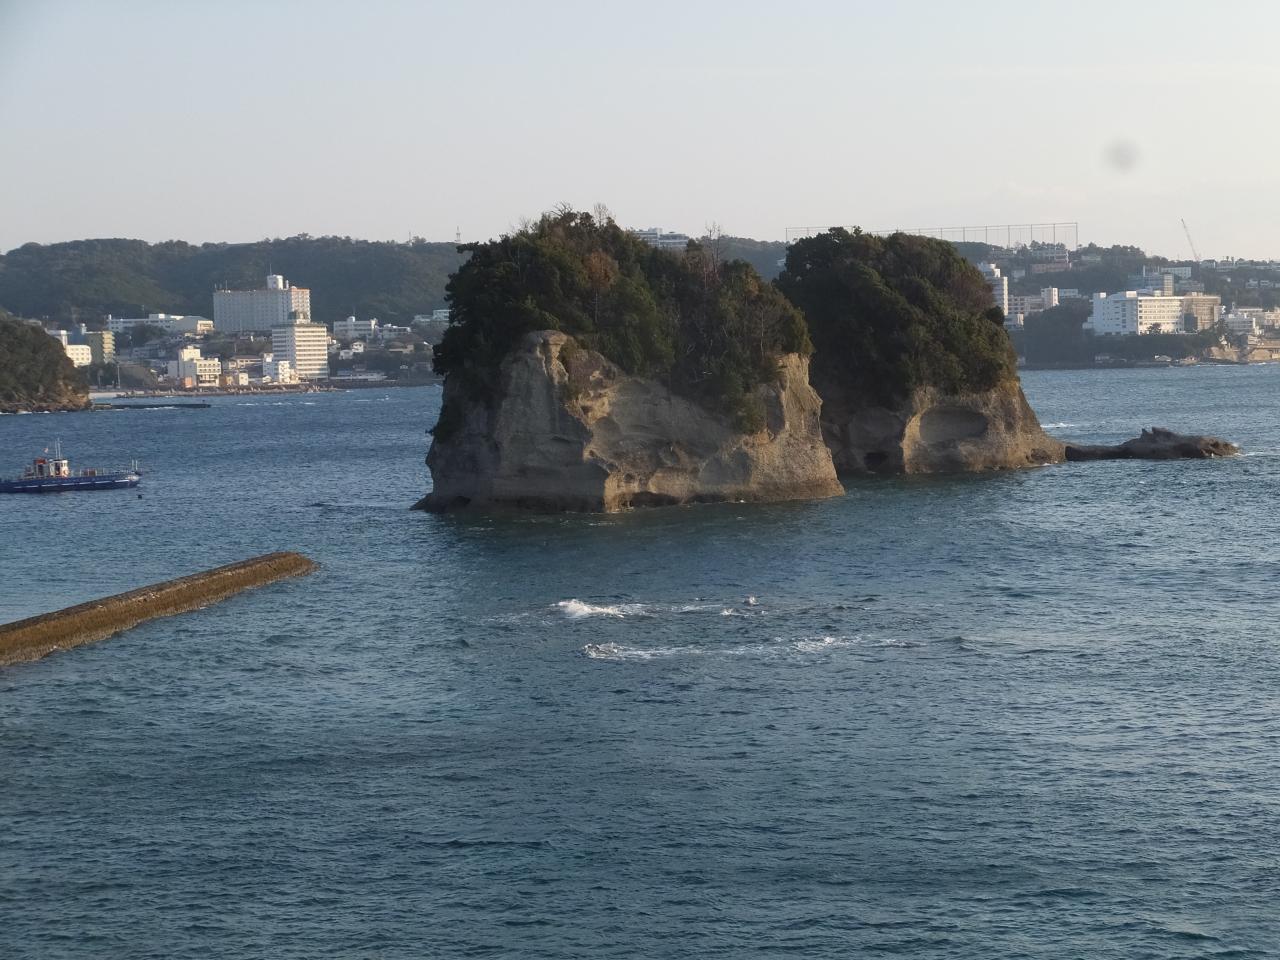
pixel 765 255
pixel 35 372
pixel 85 279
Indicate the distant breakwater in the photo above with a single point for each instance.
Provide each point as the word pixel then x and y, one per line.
pixel 36 637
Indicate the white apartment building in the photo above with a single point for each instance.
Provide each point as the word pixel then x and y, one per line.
pixel 306 347
pixel 277 371
pixel 60 335
pixel 190 365
pixel 999 285
pixel 1130 313
pixel 245 311
pixel 81 354
pixel 169 322
pixel 351 328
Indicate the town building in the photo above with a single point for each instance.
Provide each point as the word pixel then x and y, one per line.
pixel 351 328
pixel 1050 258
pixel 277 371
pixel 193 369
pixel 1202 312
pixel 102 345
pixel 305 345
pixel 257 311
pixel 999 285
pixel 1152 283
pixel 389 331
pixel 1131 313
pixel 168 322
pixel 79 353
pixel 1046 299
pixel 1135 312
pixel 1241 324
pixel 657 237
pixel 60 335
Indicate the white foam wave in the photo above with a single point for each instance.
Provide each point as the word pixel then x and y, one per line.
pixel 577 609
pixel 777 647
pixel 1059 426
pixel 618 651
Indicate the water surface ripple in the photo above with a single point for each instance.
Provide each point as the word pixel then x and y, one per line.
pixel 1031 714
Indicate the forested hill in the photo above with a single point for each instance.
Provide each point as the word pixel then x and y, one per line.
pixel 84 280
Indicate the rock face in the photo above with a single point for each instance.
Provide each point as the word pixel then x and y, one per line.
pixel 934 432
pixel 1156 444
pixel 572 431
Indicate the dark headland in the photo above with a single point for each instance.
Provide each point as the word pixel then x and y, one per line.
pixel 35 372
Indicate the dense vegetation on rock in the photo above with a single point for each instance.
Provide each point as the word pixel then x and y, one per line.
pixel 890 314
pixel 35 372
pixel 712 329
pixel 86 279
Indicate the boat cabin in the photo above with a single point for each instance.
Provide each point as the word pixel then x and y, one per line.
pixel 49 467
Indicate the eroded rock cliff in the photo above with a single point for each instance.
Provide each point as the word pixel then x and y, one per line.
pixel 569 430
pixel 935 432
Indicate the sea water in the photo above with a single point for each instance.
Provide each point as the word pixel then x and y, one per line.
pixel 1029 714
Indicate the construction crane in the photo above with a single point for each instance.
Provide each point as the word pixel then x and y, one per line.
pixel 1187 230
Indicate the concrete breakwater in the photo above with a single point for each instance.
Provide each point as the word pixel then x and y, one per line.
pixel 38 636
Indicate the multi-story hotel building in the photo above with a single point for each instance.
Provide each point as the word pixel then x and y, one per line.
pixel 253 311
pixel 1129 313
pixel 305 345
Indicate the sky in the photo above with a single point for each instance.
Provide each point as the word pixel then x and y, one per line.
pixel 231 120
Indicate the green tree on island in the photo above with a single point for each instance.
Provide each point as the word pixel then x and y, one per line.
pixel 890 314
pixel 712 330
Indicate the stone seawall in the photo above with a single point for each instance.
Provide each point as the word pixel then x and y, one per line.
pixel 41 635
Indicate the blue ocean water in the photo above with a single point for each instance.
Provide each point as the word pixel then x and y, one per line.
pixel 1034 714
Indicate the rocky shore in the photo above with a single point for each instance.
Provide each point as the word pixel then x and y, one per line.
pixel 1157 443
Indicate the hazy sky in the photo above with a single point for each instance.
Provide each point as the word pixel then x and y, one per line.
pixel 234 120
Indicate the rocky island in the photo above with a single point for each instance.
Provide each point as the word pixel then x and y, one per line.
pixel 585 370
pixel 588 371
pixel 35 372
pixel 915 370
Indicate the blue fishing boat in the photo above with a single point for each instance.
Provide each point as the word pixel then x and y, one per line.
pixel 53 474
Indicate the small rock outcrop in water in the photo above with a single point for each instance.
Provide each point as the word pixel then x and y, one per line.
pixel 571 431
pixel 1155 444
